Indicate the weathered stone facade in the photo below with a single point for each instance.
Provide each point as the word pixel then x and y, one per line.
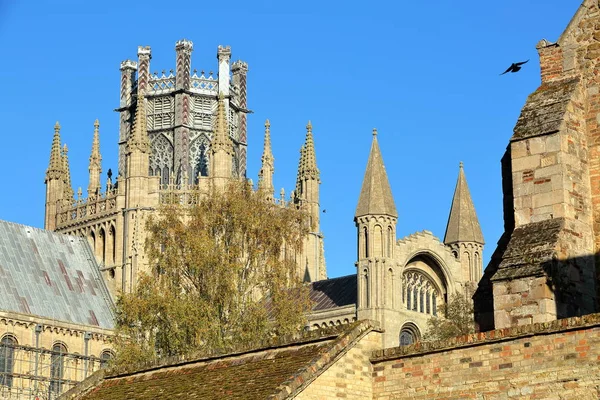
pixel 546 264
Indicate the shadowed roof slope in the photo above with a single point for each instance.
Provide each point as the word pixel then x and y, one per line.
pixel 51 275
pixel 278 371
pixel 332 293
pixel 376 194
pixel 463 225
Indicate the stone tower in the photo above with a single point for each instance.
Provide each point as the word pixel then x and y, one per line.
pixel 180 135
pixel 463 233
pixel 546 264
pixel 375 220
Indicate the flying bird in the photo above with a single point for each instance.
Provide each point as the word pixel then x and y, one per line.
pixel 514 67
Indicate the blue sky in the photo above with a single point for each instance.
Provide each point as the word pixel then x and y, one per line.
pixel 425 74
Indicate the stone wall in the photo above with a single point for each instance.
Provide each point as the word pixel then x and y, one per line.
pixel 553 360
pixel 349 377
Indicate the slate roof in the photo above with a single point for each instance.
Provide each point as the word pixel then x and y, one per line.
pixel 375 195
pixel 51 275
pixel 544 110
pixel 278 371
pixel 332 293
pixel 463 225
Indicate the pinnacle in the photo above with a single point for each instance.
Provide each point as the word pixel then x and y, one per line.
pixel 139 135
pixel 55 167
pixel 67 173
pixel 463 225
pixel 376 195
pixel 309 168
pixel 221 139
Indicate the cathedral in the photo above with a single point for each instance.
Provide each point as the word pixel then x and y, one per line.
pixel 182 133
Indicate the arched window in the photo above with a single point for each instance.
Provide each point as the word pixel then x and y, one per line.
pixel 420 291
pixel 57 367
pixel 105 358
pixel 409 334
pixel 102 245
pixel 390 241
pixel 366 234
pixel 7 359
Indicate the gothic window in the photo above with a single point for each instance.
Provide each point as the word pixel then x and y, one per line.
pixel 428 303
pixel 57 367
pixel 160 113
pixel 434 301
pixel 408 300
pixel 161 157
pixel 7 359
pixel 421 302
pixel 415 297
pixel 199 158
pixel 406 338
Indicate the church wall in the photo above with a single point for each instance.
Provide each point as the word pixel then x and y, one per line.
pixel 35 338
pixel 539 361
pixel 349 377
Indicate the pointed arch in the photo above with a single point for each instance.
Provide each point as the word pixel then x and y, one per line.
pixel 112 254
pixel 467 267
pixel 477 267
pixel 366 242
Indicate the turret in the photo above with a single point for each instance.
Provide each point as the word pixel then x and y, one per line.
pixel 221 149
pixel 265 175
pixel 463 233
pixel 95 167
pixel 375 220
pixel 54 181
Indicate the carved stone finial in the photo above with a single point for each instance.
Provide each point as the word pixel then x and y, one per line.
pixel 460 165
pixel 57 127
pixel 65 149
pixel 267 124
pixel 309 126
pixel 374 131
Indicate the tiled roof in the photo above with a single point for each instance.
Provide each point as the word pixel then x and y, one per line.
pixel 332 293
pixel 51 275
pixel 275 372
pixel 544 110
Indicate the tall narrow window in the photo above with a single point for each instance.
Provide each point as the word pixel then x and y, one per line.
pixel 421 302
pixel 408 299
pixel 390 241
pixel 366 242
pixel 415 297
pixel 434 301
pixel 7 359
pixel 57 367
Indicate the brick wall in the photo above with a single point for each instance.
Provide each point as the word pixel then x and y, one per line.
pixel 349 377
pixel 554 360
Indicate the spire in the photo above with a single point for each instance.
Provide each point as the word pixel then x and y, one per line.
pixel 55 167
pixel 221 139
pixel 68 188
pixel 375 195
pixel 309 169
pixel 95 167
pixel 265 175
pixel 463 225
pixel 138 140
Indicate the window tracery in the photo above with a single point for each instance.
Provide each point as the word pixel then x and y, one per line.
pixel 161 157
pixel 419 293
pixel 199 157
pixel 57 367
